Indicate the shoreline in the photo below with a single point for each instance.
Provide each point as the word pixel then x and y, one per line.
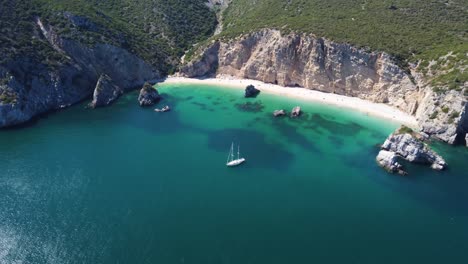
pixel 373 109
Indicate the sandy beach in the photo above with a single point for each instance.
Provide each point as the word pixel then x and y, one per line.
pixel 367 107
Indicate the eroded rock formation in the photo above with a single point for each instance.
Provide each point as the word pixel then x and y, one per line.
pixel 279 112
pixel 148 95
pixel 389 161
pixel 296 111
pixel 251 91
pixel 444 116
pixel 406 145
pixel 106 92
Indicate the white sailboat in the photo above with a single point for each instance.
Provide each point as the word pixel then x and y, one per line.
pixel 230 160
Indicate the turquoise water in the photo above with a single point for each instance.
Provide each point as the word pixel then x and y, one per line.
pixel 128 185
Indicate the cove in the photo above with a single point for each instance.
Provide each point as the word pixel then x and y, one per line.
pixel 126 184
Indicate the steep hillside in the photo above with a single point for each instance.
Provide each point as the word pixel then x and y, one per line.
pixel 412 54
pixel 410 30
pixel 53 51
pixel 157 31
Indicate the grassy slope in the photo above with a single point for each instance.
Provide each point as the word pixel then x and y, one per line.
pixel 410 30
pixel 157 30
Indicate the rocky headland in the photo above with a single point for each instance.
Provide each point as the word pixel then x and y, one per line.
pixel 34 88
pixel 407 145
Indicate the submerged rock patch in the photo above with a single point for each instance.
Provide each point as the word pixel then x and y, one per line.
pixel 250 107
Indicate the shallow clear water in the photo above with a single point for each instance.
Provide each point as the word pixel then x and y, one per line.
pixel 128 185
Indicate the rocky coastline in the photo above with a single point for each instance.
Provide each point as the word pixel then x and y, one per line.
pixel 33 88
pixel 302 60
pixel 290 60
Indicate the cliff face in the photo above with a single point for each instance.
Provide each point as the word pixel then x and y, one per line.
pixel 315 63
pixel 444 116
pixel 31 88
pixel 305 61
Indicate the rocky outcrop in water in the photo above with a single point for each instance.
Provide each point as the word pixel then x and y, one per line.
pixel 406 145
pixel 296 111
pixel 389 161
pixel 148 95
pixel 106 92
pixel 251 91
pixel 34 88
pixel 280 112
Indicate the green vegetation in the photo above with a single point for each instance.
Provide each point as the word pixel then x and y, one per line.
pixel 410 30
pixel 452 116
pixel 405 130
pixel 159 31
pixel 445 109
pixel 7 96
pixel 17 32
pixel 431 33
pixel 433 115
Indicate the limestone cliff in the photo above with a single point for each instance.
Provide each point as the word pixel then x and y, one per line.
pixel 105 93
pixel 309 62
pixel 303 60
pixel 444 116
pixel 29 88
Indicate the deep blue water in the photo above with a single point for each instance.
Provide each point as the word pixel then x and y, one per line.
pixel 125 184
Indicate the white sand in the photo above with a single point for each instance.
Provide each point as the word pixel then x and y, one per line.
pixel 367 107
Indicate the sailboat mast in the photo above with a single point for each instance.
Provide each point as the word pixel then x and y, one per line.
pixel 230 155
pixel 238 151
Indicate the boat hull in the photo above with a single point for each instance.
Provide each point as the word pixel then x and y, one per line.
pixel 235 162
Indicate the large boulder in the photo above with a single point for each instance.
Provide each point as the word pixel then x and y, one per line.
pixel 106 92
pixel 405 144
pixel 280 112
pixel 389 161
pixel 251 91
pixel 148 95
pixel 296 111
